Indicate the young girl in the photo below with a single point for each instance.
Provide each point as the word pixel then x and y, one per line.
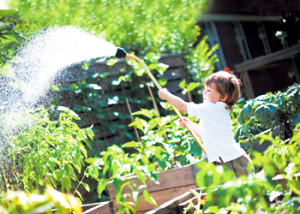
pixel 221 92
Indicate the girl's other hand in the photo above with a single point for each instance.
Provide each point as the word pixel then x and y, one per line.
pixel 163 93
pixel 184 122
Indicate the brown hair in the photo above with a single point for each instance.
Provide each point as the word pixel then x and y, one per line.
pixel 226 83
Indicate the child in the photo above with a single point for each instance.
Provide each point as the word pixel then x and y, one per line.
pixel 221 92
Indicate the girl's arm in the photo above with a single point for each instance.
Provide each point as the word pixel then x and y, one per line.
pixel 195 127
pixel 175 101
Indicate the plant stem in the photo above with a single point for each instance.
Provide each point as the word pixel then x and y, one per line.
pixel 80 180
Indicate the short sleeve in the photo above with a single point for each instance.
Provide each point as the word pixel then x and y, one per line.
pixel 198 110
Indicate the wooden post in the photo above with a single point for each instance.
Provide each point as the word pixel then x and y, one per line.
pixel 136 132
pixel 155 106
pixel 247 84
pixel 296 70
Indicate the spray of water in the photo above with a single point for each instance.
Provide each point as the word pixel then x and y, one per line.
pixel 38 62
pixel 52 51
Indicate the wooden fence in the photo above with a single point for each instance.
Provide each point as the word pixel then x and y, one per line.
pixel 104 135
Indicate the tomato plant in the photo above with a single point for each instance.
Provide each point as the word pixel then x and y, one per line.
pixel 49 151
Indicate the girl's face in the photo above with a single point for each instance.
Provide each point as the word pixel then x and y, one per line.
pixel 211 94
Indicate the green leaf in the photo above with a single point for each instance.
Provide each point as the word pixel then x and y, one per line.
pixel 111 62
pixel 117 183
pixel 86 186
pixel 113 100
pixel 295 118
pixel 192 86
pixel 144 112
pixel 91 160
pixel 78 193
pixel 66 182
pixel 130 144
pixel 212 209
pixel 148 197
pixel 102 185
pixel 162 81
pixel 64 109
pixel 265 113
pixel 90 133
pixel 54 88
pixel 93 86
pixel 195 148
pixel 245 114
pixel 162 67
pixel 182 84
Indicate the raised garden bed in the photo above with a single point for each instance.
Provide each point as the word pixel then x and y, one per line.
pixel 177 204
pixel 106 207
pixel 172 183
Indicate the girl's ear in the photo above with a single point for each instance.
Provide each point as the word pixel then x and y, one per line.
pixel 224 98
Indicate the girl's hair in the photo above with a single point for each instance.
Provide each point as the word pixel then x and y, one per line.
pixel 226 83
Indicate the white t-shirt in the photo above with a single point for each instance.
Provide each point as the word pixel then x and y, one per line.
pixel 216 131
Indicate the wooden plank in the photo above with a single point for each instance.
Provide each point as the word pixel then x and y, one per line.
pixel 106 207
pixel 172 60
pixel 102 208
pixel 172 205
pixel 263 60
pixel 161 197
pixel 76 73
pixel 295 69
pixel 168 179
pixel 278 179
pixel 173 85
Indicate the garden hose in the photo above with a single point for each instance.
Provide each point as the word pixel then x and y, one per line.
pixel 121 53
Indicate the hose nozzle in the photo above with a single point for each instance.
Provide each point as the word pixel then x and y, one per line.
pixel 121 53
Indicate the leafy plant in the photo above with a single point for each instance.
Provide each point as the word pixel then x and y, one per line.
pixel 200 62
pixel 9 36
pixel 49 151
pixel 269 111
pixel 163 146
pixel 139 26
pixel 20 202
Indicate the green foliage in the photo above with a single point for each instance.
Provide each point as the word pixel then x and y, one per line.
pixel 20 202
pixel 166 133
pixel 49 151
pixel 141 26
pixel 269 111
pixel 251 194
pixel 90 96
pixel 118 165
pixel 162 147
pixel 9 37
pixel 201 60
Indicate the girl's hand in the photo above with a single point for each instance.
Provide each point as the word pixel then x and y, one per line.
pixel 163 93
pixel 184 122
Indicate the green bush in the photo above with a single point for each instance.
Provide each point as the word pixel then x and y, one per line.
pixel 269 111
pixel 49 151
pixel 141 26
pixel 20 202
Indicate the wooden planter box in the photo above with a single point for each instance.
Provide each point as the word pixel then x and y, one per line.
pixel 99 208
pixel 177 205
pixel 106 207
pixel 172 183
